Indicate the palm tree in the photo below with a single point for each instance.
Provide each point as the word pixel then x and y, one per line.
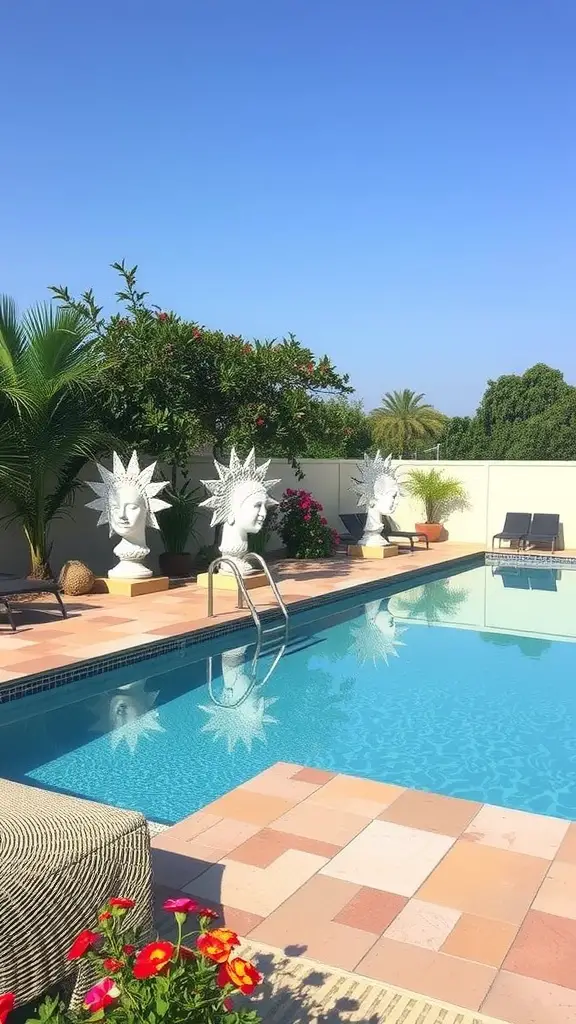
pixel 437 601
pixel 404 420
pixel 49 367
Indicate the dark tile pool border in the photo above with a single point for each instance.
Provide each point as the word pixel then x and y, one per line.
pixel 40 682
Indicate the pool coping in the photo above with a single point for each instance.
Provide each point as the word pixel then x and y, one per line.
pixel 26 685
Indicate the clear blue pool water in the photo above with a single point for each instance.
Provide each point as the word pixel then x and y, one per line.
pixel 420 688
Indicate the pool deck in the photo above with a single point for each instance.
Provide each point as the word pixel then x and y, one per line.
pixel 104 624
pixel 460 901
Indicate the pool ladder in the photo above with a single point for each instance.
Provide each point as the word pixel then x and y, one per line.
pixel 244 595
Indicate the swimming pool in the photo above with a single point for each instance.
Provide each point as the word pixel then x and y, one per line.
pixel 460 684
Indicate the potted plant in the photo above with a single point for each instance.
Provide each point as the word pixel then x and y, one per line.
pixel 177 528
pixel 440 495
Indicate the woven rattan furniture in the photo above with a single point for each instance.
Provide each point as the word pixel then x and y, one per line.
pixel 61 858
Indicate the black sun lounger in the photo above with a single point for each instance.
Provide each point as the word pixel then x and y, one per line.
pixel 390 531
pixel 356 521
pixel 544 529
pixel 12 587
pixel 516 526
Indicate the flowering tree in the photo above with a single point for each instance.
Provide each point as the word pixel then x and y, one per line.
pixel 190 981
pixel 174 384
pixel 303 527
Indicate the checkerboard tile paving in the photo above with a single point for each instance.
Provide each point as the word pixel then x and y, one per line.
pixel 467 903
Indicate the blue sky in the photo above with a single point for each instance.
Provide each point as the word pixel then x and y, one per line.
pixel 391 180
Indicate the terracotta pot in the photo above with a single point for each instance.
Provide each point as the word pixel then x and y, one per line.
pixel 432 530
pixel 176 565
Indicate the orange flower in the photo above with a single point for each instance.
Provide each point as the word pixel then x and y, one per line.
pixel 240 973
pixel 6 1006
pixel 218 944
pixel 153 959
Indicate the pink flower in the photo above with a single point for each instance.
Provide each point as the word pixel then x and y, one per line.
pixel 103 994
pixel 324 521
pixel 180 906
pixel 307 517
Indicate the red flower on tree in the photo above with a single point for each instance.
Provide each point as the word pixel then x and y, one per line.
pixel 260 422
pixel 82 943
pixel 240 973
pixel 162 316
pixel 153 959
pixel 6 1006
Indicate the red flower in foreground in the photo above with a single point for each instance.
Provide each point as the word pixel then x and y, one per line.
pixel 112 965
pixel 128 949
pixel 104 916
pixel 240 973
pixel 82 943
pixel 121 902
pixel 6 1006
pixel 153 959
pixel 217 945
pixel 180 906
pixel 103 994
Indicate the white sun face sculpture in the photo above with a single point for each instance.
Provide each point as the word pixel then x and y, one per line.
pixel 241 713
pixel 378 491
pixel 128 715
pixel 239 499
pixel 127 502
pixel 377 638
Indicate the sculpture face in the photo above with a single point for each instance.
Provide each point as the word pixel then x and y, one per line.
pixel 250 511
pixel 386 494
pixel 128 512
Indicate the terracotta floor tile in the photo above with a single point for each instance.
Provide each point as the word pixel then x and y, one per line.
pixel 264 848
pixel 431 812
pixel 277 785
pixel 390 857
pixel 486 881
pixel 315 822
pixel 28 668
pixel 370 910
pixel 256 808
pixel 535 834
pixel 327 942
pixel 257 890
pixel 356 796
pixel 527 1001
pixel 545 948
pixel 313 775
pixel 557 894
pixel 427 972
pixel 193 825
pixel 423 924
pixel 480 938
pixel 567 851
pixel 222 838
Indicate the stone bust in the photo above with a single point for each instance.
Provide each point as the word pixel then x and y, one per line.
pixel 378 491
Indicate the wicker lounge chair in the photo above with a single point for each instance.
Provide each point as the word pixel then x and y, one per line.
pixel 10 586
pixel 61 858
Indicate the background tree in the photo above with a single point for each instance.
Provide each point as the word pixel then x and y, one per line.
pixel 404 422
pixel 51 367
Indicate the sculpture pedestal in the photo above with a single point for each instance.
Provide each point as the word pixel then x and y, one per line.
pixel 223 581
pixel 362 551
pixel 130 588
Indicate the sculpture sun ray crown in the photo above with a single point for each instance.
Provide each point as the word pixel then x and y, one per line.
pixel 221 491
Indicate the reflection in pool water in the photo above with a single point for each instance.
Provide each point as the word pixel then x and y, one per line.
pixel 239 713
pixel 127 715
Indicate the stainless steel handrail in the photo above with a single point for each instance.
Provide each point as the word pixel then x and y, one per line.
pixel 242 591
pixel 271 581
pixel 253 685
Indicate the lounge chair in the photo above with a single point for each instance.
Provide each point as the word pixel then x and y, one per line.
pixel 390 530
pixel 10 586
pixel 513 577
pixel 356 521
pixel 543 579
pixel 61 858
pixel 516 526
pixel 544 529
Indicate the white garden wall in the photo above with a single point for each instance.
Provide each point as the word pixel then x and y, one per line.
pixel 493 489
